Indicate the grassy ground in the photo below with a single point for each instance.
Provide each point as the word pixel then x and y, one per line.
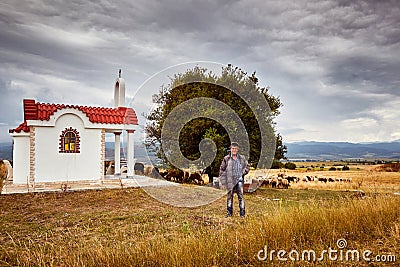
pixel 129 228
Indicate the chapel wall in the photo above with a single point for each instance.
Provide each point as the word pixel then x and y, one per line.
pixel 21 159
pixel 53 166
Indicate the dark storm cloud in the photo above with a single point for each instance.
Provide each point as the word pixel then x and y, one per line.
pixel 384 75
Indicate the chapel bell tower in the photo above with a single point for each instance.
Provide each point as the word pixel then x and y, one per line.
pixel 119 91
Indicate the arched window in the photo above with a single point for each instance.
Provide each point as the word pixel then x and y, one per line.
pixel 69 141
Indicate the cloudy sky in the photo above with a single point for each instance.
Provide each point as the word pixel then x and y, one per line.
pixel 334 64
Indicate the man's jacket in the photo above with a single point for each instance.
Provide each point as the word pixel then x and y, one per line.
pixel 226 171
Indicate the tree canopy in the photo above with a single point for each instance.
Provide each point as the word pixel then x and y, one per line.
pixel 234 88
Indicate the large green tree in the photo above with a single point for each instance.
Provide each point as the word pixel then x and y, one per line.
pixel 200 82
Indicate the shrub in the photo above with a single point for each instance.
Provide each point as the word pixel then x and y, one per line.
pixel 290 165
pixel 332 168
pixel 389 167
pixel 276 164
pixel 346 168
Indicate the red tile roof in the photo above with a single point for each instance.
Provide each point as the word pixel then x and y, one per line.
pixel 21 128
pixel 43 111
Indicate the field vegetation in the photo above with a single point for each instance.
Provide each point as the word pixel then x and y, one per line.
pixel 127 227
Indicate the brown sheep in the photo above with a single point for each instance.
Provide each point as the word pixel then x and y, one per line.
pixel 175 175
pixel 152 172
pixel 195 178
pixel 274 182
pixel 283 183
pixel 139 168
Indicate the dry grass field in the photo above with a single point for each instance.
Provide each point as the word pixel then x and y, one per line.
pixel 127 227
pixel 369 178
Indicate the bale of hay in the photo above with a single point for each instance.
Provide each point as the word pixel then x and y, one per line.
pixel 3 174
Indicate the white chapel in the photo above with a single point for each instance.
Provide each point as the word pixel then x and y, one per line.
pixel 63 143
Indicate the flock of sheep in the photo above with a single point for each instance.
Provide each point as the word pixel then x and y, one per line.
pixel 196 177
pixel 283 181
pixel 174 175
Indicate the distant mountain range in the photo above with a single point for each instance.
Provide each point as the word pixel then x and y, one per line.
pixel 343 150
pixel 296 150
pixel 5 150
pixel 141 153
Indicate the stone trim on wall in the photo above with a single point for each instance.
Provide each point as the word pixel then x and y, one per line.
pixel 31 182
pixel 103 153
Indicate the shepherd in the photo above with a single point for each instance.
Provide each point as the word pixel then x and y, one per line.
pixel 232 171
